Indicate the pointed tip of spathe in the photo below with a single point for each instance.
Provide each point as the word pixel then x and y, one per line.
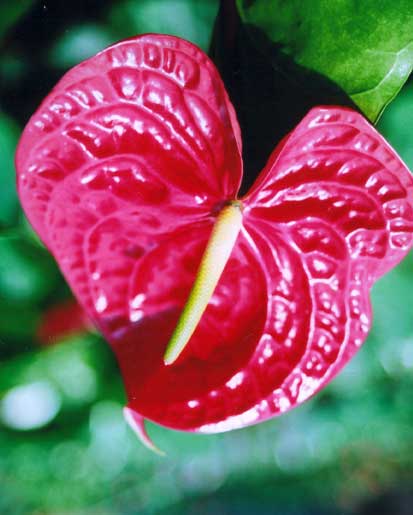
pixel 137 423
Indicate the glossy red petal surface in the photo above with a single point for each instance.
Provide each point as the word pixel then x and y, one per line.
pixel 192 391
pixel 122 172
pixel 341 201
pixel 145 124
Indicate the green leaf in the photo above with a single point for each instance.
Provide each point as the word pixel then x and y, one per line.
pixel 365 47
pixel 8 197
pixel 189 19
pixel 10 12
pixel 270 96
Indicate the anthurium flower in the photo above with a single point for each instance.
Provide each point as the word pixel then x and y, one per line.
pixel 129 171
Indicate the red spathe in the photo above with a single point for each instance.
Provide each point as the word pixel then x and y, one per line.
pixel 122 171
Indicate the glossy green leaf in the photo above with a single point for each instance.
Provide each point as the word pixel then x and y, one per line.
pixel 365 47
pixel 270 96
pixel 8 197
pixel 188 19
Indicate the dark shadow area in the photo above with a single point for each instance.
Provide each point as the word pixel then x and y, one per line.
pixel 22 91
pixel 394 502
pixel 270 92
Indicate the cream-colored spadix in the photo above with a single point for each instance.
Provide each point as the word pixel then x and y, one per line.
pixel 217 252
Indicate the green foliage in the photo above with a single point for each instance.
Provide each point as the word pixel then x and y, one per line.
pixel 10 12
pixel 356 432
pixel 27 272
pixel 396 124
pixel 365 47
pixel 18 323
pixel 188 19
pixel 76 45
pixel 8 197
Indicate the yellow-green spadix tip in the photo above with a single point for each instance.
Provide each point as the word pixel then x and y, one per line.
pixel 218 250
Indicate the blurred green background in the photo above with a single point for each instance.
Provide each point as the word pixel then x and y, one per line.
pixel 64 447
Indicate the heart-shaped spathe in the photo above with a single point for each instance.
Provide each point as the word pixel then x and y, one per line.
pixel 123 170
